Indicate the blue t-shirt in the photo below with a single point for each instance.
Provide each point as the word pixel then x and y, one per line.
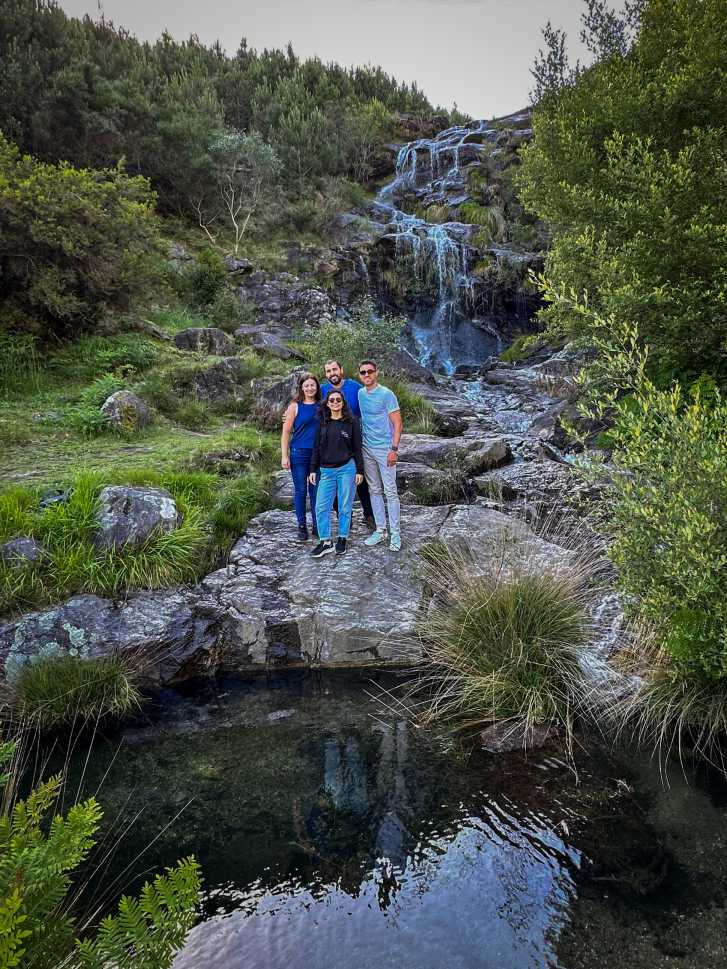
pixel 376 405
pixel 349 388
pixel 305 426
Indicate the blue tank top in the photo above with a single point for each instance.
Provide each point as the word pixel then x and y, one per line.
pixel 305 426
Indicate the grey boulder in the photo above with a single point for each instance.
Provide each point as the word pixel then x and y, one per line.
pixel 205 339
pixel 126 516
pixel 21 551
pixel 126 411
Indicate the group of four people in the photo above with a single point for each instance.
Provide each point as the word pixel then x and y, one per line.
pixel 338 437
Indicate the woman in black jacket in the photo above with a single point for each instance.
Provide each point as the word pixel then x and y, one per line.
pixel 337 454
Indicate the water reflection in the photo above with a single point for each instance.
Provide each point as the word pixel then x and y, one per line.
pixel 332 837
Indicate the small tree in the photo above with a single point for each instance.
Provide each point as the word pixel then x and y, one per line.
pixel 246 167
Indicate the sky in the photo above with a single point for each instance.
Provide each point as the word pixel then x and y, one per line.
pixel 475 53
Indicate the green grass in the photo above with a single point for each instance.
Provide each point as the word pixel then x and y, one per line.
pixel 56 691
pixel 500 646
pixel 657 705
pixel 518 349
pixel 214 515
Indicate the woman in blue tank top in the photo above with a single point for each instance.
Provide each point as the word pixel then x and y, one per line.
pixel 296 446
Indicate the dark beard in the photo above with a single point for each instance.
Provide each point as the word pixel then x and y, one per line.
pixel 336 380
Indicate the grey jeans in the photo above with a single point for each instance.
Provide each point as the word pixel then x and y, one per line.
pixel 381 480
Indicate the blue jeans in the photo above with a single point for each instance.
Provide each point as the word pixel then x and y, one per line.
pixel 332 482
pixel 300 469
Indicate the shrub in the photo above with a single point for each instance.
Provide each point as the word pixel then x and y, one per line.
pixel 203 282
pixel 627 164
pixel 41 849
pixel 500 643
pixel 58 690
pixel 93 356
pixel 667 497
pixel 87 418
pixel 365 334
pixel 76 245
pixel 240 500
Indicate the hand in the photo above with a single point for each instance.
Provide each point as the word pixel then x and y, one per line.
pixel 391 459
pixel 312 478
pixel 285 464
pixel 359 479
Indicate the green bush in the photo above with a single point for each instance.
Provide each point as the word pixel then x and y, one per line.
pixel 87 417
pixel 239 501
pixel 365 334
pixel 41 850
pixel 68 690
pixel 202 284
pixel 76 245
pixel 91 357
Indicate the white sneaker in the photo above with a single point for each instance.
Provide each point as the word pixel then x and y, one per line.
pixel 395 543
pixel 375 539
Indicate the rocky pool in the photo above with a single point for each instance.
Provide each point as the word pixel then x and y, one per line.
pixel 332 833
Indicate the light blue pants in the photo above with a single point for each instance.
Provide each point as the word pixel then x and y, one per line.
pixel 332 481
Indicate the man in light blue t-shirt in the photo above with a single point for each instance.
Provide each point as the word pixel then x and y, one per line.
pixel 381 426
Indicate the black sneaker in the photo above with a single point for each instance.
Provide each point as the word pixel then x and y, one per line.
pixel 321 549
pixel 341 546
pixel 302 533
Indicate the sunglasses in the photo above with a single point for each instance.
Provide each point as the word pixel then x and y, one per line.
pixel 335 400
pixel 365 373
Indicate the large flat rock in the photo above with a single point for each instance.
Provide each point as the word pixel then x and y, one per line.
pixel 357 610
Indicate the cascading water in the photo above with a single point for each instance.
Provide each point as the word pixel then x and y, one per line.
pixel 437 257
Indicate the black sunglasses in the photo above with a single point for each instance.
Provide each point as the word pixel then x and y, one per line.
pixel 332 400
pixel 365 373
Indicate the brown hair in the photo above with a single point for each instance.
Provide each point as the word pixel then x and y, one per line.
pixel 346 414
pixel 299 395
pixel 371 363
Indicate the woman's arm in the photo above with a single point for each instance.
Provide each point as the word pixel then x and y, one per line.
pixel 315 458
pixel 357 446
pixel 288 419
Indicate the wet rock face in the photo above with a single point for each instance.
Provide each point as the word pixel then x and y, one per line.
pixel 127 516
pixel 126 411
pixel 205 339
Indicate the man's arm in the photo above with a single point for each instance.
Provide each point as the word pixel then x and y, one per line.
pixel 396 424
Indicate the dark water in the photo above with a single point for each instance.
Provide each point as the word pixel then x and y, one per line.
pixel 333 834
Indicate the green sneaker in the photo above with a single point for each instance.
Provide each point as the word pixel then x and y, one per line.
pixel 376 539
pixel 395 543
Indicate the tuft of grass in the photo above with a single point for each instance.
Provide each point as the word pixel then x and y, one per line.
pixel 500 643
pixel 518 349
pixel 654 703
pixel 87 418
pixel 93 356
pixel 19 363
pixel 56 691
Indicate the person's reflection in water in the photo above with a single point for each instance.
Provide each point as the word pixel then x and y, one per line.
pixel 392 795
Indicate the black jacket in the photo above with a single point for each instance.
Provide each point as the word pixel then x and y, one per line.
pixel 336 443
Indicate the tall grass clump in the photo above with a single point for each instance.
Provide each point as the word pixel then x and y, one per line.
pixel 501 641
pixel 19 363
pixel 54 691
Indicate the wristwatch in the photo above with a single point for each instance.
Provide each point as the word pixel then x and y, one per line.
pixel 394 449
